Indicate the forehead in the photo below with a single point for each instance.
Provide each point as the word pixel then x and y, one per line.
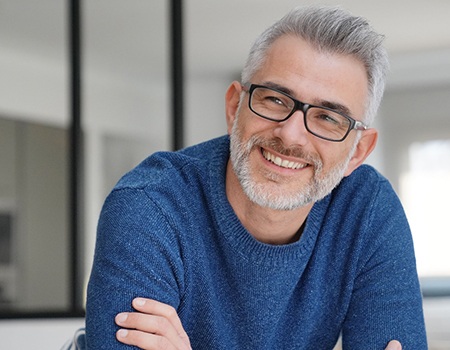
pixel 314 76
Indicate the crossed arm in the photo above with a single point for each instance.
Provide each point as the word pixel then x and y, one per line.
pixel 156 325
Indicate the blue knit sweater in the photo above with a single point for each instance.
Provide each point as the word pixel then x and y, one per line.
pixel 168 232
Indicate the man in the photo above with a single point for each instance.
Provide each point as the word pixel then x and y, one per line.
pixel 276 237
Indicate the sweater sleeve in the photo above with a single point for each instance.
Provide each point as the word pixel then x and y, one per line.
pixel 386 301
pixel 137 255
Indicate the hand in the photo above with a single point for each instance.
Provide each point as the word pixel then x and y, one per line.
pixel 394 345
pixel 154 326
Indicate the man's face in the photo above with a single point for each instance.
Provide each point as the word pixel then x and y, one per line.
pixel 281 165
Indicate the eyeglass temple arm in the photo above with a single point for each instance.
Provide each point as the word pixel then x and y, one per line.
pixel 360 125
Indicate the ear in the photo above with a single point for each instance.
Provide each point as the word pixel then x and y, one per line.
pixel 232 98
pixel 364 147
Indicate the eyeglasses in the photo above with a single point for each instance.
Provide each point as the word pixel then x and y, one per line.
pixel 323 122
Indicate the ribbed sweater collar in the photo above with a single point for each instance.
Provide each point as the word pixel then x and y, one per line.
pixel 238 237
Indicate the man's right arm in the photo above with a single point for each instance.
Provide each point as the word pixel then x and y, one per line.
pixel 135 257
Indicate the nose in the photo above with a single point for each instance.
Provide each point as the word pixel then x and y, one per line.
pixel 293 131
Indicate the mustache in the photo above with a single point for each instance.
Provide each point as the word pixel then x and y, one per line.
pixel 278 146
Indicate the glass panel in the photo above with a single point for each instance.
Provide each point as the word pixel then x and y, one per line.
pixel 125 116
pixel 415 136
pixel 425 190
pixel 126 95
pixel 34 266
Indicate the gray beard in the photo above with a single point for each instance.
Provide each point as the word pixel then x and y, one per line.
pixel 271 196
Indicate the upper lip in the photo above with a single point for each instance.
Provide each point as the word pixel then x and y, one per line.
pixel 283 161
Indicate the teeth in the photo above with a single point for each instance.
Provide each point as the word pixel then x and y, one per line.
pixel 283 163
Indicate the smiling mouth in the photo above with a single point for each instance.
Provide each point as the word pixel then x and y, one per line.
pixel 283 163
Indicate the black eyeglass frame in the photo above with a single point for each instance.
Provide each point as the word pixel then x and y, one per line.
pixel 304 107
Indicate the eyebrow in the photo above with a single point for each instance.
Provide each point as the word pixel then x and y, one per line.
pixel 335 106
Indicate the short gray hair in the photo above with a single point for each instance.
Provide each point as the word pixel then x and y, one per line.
pixel 329 29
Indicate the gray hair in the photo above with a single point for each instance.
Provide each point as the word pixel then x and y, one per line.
pixel 329 29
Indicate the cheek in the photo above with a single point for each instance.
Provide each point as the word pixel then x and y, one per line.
pixel 333 156
pixel 250 125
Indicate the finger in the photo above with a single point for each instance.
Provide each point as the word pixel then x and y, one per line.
pixel 154 307
pixel 394 345
pixel 153 325
pixel 143 340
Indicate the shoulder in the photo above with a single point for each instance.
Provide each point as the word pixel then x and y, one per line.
pixel 368 203
pixel 161 188
pixel 173 168
pixel 365 175
pixel 367 185
pixel 369 190
pixel 374 214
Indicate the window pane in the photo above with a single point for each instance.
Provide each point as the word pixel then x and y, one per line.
pixel 126 111
pixel 34 259
pixel 425 191
pixel 34 273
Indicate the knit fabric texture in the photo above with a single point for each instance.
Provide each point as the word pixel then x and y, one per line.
pixel 168 232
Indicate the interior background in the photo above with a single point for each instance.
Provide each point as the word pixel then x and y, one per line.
pixel 126 115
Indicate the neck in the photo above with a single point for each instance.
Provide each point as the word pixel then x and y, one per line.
pixel 265 224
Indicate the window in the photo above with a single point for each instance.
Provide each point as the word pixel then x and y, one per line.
pixel 125 116
pixel 425 192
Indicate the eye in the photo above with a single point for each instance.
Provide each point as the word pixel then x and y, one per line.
pixel 271 100
pixel 275 100
pixel 328 118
